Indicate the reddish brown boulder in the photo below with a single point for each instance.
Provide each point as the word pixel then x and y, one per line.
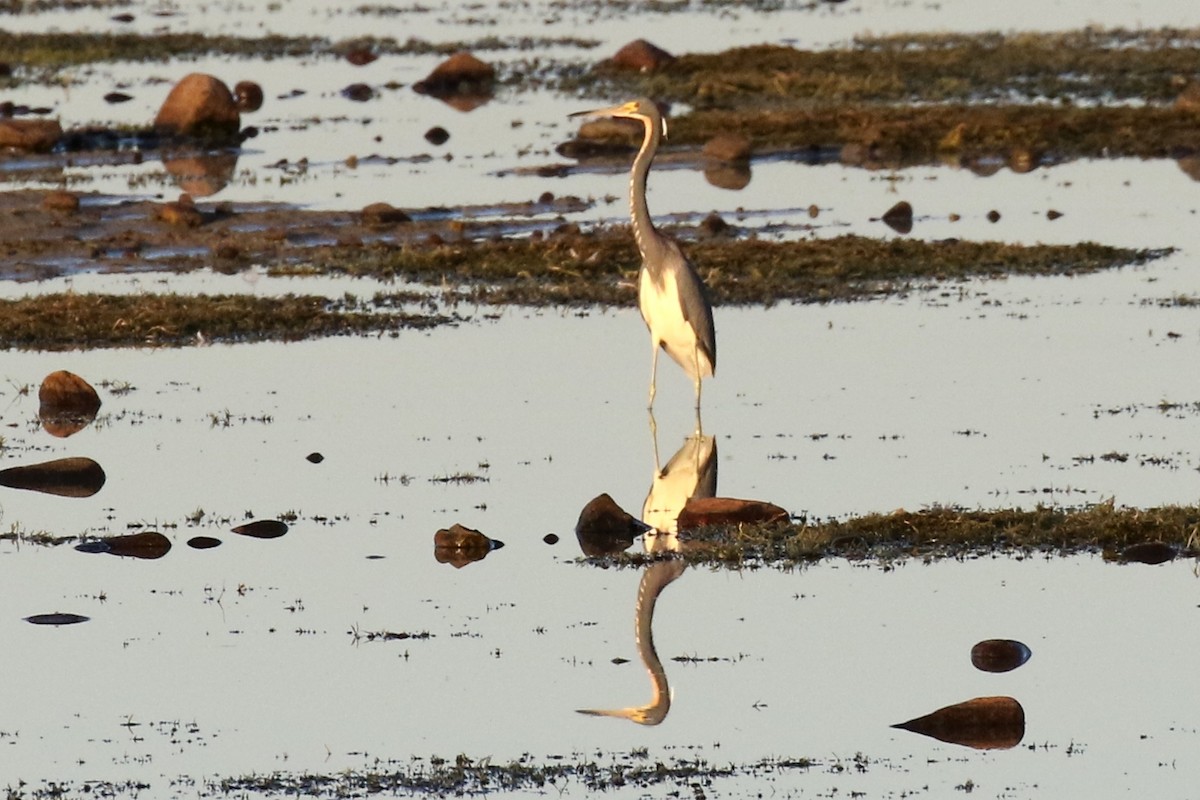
pixel 604 528
pixel 66 403
pixel 64 477
pixel 459 545
pixel 999 655
pixel 383 214
pixel 199 106
pixel 37 135
pixel 181 212
pixel 704 511
pixel 461 74
pixel 641 56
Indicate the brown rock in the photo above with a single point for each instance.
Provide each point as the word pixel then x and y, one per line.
pixel 459 545
pixel 461 74
pixel 732 147
pixel 605 528
pixel 36 135
pixel 383 214
pixel 65 477
pixel 262 529
pixel 358 92
pixel 999 655
pixel 360 56
pixel 183 214
pixel 148 545
pixel 66 403
pixel 248 95
pixel 983 723
pixel 641 56
pixel 66 202
pixel 899 217
pixel 703 511
pixel 1189 98
pixel 437 135
pixel 199 106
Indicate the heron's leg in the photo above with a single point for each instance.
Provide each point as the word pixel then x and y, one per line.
pixel 653 371
pixel 699 424
pixel 654 439
pixel 696 367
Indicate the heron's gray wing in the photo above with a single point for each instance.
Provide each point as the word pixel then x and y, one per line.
pixel 693 297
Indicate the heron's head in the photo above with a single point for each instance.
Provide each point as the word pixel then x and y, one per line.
pixel 642 109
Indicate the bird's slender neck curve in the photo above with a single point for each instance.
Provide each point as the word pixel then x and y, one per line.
pixel 639 213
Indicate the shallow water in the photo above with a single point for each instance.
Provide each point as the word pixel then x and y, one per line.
pixel 258 656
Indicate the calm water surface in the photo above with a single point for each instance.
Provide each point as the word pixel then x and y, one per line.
pixel 258 656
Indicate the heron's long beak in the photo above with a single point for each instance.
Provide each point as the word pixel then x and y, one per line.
pixel 622 110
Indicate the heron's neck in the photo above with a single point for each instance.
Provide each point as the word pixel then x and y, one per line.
pixel 643 229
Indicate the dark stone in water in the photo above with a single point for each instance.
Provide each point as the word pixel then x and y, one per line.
pixel 148 545
pixel 604 528
pixel 459 545
pixel 999 655
pixel 358 92
pixel 117 97
pixel 65 477
pixel 985 723
pixel 57 619
pixel 899 217
pixel 203 542
pixel 248 95
pixel 437 135
pixel 550 538
pixel 1149 553
pixel 262 529
pixel 314 458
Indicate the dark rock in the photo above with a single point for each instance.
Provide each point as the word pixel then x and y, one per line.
pixel 461 74
pixel 360 56
pixel 437 136
pixel 383 214
pixel 358 92
pixel 605 528
pixel 203 542
pixel 999 655
pixel 262 529
pixel 984 723
pixel 1189 98
pixel 550 538
pixel 459 545
pixel 181 212
pixel 199 106
pixel 899 217
pixel 1053 215
pixel 314 458
pixel 1149 553
pixel 148 545
pixel 117 97
pixel 56 619
pixel 248 96
pixel 993 216
pixel 714 225
pixel 34 135
pixel 64 477
pixel 641 56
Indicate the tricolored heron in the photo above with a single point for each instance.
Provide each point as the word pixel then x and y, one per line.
pixel 671 296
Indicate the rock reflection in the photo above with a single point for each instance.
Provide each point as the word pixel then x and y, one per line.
pixel 65 477
pixel 262 529
pixel 202 175
pixel 459 546
pixel 984 723
pixel 56 619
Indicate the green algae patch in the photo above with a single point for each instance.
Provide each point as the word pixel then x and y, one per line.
pixel 940 533
pixel 67 321
pixel 601 268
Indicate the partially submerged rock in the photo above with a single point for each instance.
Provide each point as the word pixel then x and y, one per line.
pixel 459 545
pixel 248 96
pixel 56 618
pixel 262 529
pixel 604 528
pixel 899 217
pixel 999 655
pixel 200 106
pixel 641 56
pixel 66 403
pixel 383 214
pixel 35 135
pixel 460 75
pixel 148 545
pixel 701 512
pixel 65 477
pixel 985 723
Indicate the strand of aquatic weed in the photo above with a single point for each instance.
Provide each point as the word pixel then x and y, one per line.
pixel 942 532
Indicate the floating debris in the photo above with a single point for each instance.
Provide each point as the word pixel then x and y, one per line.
pixel 262 529
pixel 985 723
pixel 65 477
pixel 459 545
pixel 999 655
pixel 604 528
pixel 57 619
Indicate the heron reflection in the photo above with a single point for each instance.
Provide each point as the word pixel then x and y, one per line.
pixel 671 296
pixel 690 472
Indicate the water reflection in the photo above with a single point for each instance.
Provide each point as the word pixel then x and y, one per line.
pixel 690 472
pixel 985 723
pixel 202 175
pixel 459 545
pixel 147 545
pixel 65 477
